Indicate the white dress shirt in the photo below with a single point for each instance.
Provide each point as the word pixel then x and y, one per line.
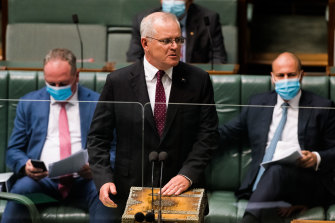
pixel 290 131
pixel 151 80
pixel 51 151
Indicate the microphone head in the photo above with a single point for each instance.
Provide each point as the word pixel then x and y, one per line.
pixel 206 20
pixel 139 217
pixel 162 156
pixel 153 156
pixel 150 217
pixel 75 18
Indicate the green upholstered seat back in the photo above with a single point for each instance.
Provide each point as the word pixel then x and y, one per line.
pixel 32 41
pixel 106 12
pixel 225 161
pixel 3 117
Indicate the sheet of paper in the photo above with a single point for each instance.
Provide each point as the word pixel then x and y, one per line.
pixel 286 153
pixel 69 165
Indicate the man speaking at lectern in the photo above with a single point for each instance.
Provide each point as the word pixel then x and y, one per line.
pixel 163 85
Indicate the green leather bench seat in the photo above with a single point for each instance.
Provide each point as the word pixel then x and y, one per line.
pixel 223 174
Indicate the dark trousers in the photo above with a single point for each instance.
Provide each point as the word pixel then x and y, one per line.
pixel 83 194
pixel 282 185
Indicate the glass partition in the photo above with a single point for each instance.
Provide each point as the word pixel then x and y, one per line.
pixel 190 141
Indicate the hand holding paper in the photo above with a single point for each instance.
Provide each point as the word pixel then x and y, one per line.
pixel 286 153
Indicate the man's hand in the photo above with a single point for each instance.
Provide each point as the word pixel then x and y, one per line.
pixel 33 172
pixel 307 160
pixel 176 186
pixel 85 172
pixel 288 212
pixel 105 190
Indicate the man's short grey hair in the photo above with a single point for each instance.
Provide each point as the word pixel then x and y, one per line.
pixel 147 24
pixel 62 54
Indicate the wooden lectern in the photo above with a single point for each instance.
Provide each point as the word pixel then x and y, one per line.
pixel 187 207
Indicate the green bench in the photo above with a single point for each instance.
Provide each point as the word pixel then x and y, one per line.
pixel 225 170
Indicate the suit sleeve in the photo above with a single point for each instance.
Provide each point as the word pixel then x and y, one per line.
pixel 206 138
pixel 220 54
pixel 100 137
pixel 16 156
pixel 135 51
pixel 327 153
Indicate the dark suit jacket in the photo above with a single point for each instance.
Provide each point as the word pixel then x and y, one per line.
pixel 31 125
pixel 198 47
pixel 189 137
pixel 316 132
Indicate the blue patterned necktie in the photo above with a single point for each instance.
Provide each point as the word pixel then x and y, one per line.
pixel 272 147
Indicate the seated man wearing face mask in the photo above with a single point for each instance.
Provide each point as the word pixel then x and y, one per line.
pixel 279 120
pixel 49 126
pixel 197 47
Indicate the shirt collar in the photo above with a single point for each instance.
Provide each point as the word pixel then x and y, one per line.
pixel 150 71
pixel 294 102
pixel 72 100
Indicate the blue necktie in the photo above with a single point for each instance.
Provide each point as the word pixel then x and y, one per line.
pixel 272 147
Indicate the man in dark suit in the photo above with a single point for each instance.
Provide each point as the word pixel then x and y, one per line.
pixel 309 126
pixel 37 132
pixel 183 122
pixel 197 48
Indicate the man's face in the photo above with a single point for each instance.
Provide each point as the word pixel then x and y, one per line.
pixel 57 73
pixel 285 67
pixel 163 56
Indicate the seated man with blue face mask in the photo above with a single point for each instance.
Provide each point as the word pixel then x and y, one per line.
pixel 50 125
pixel 197 47
pixel 273 123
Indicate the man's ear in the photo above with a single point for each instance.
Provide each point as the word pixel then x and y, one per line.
pixel 144 43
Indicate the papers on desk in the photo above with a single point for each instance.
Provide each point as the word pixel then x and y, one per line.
pixel 69 165
pixel 286 153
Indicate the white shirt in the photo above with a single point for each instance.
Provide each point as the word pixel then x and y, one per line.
pixel 290 131
pixel 151 80
pixel 51 151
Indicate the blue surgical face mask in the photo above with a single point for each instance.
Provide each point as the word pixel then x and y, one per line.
pixel 175 7
pixel 287 88
pixel 59 93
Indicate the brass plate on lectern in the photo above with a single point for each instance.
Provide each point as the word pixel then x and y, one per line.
pixel 187 207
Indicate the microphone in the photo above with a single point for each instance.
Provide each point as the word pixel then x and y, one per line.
pixel 206 21
pixel 161 157
pixel 150 216
pixel 76 21
pixel 139 217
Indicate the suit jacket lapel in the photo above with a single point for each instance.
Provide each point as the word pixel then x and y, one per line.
pixel 303 119
pixel 44 116
pixel 267 115
pixel 176 96
pixel 139 86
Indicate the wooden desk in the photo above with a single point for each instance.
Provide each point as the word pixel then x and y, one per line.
pixel 311 221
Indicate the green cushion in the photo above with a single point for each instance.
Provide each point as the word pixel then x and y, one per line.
pixel 222 207
pixel 106 12
pixel 20 83
pixel 100 80
pixel 331 213
pixel 32 41
pixel 317 84
pixel 253 84
pixel 118 44
pixel 3 117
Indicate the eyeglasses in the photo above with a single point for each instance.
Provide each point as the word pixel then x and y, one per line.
pixel 179 40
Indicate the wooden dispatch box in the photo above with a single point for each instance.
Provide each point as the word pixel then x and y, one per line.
pixel 187 207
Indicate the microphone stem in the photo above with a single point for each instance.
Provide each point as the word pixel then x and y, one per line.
pixel 81 47
pixel 160 195
pixel 152 187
